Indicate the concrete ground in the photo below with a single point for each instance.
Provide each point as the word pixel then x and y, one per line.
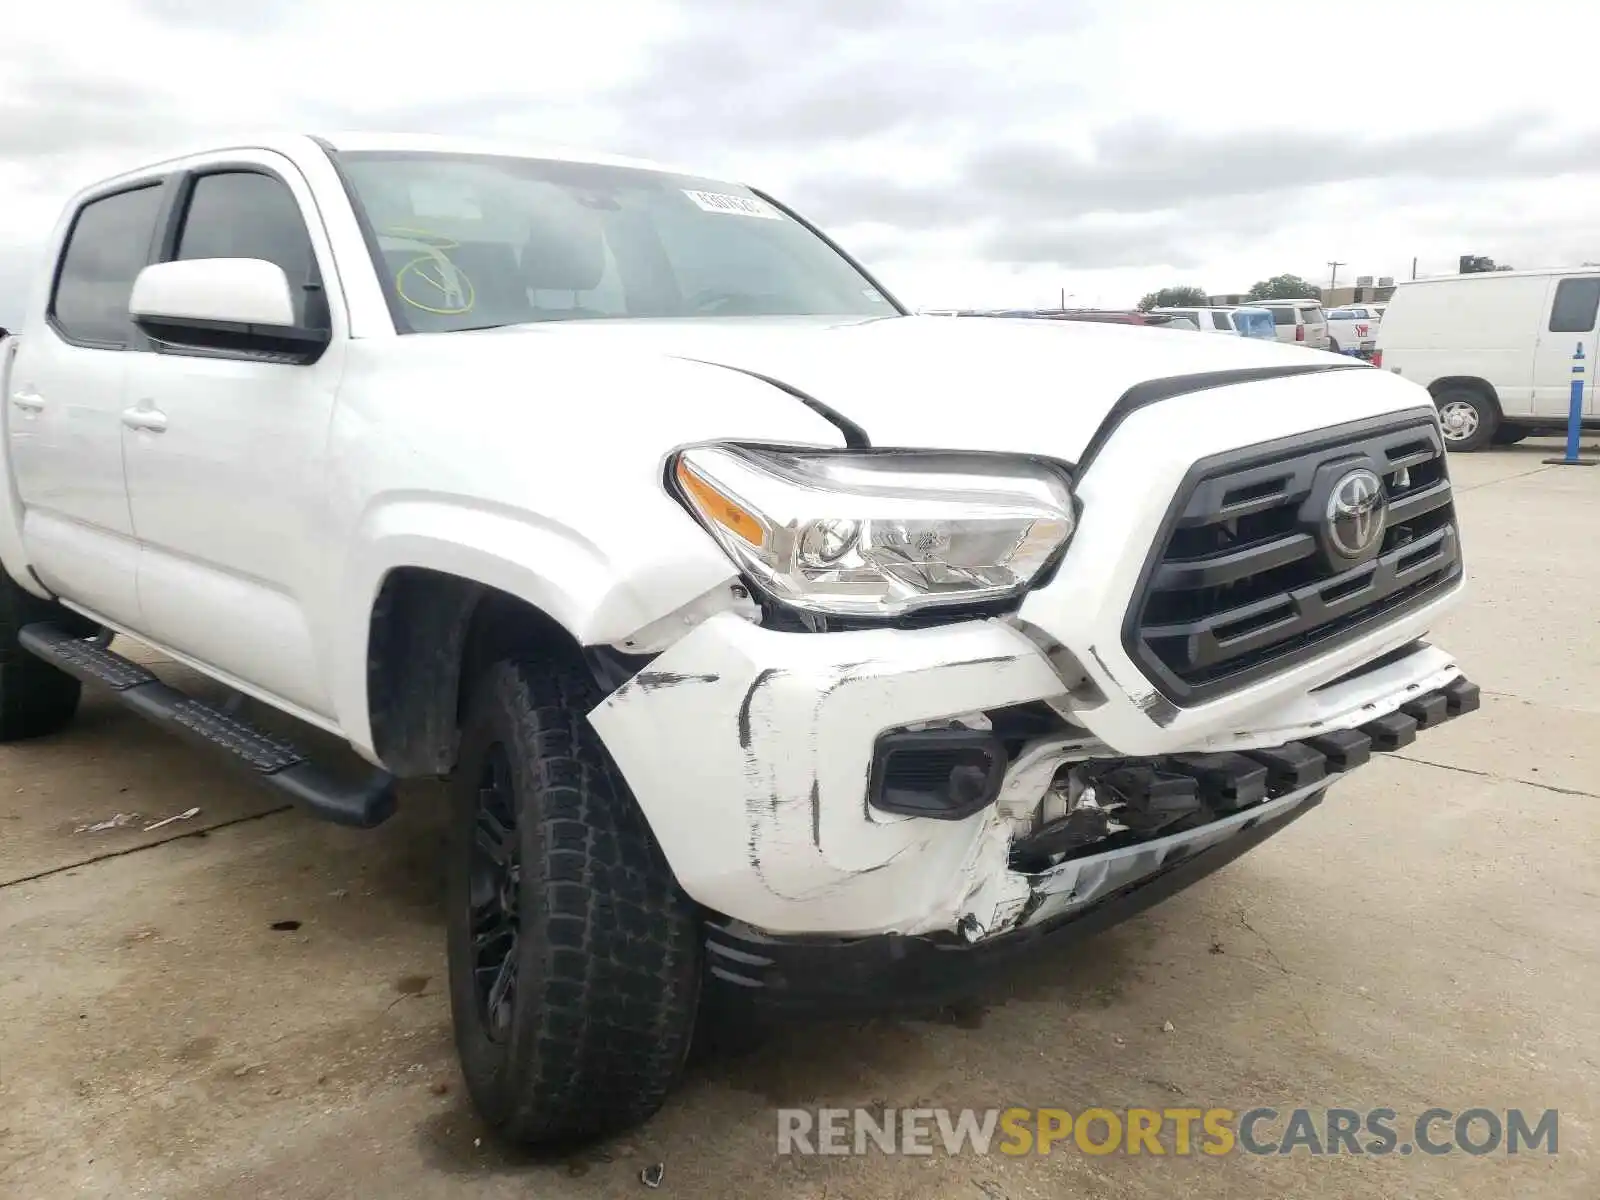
pixel 249 1003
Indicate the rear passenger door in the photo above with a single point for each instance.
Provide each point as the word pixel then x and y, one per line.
pixel 64 421
pixel 1565 349
pixel 228 484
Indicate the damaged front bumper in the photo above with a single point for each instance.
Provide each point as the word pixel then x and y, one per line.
pixel 751 752
pixel 1244 800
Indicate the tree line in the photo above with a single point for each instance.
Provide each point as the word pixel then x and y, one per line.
pixel 1279 287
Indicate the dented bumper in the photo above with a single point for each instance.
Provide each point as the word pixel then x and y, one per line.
pixel 751 752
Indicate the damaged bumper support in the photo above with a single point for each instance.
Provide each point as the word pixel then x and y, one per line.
pixel 1238 801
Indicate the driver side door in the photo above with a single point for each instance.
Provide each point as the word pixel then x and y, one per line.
pixel 226 449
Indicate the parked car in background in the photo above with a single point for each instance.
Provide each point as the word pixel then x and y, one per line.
pixel 1255 323
pixel 1114 316
pixel 1236 322
pixel 1128 316
pixel 1300 321
pixel 1498 350
pixel 1353 329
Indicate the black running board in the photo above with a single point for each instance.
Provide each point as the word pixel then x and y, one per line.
pixel 272 760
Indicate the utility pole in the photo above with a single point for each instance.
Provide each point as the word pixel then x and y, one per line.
pixel 1333 276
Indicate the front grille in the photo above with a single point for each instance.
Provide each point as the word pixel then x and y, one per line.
pixel 1243 583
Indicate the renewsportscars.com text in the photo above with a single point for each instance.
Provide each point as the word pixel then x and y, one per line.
pixel 1178 1132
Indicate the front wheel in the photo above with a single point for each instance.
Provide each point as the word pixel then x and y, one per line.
pixel 574 955
pixel 1469 419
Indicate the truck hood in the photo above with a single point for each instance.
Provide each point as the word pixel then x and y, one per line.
pixel 1019 385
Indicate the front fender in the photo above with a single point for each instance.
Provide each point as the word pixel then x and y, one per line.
pixel 598 597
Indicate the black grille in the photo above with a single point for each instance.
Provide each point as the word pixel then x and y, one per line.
pixel 1243 583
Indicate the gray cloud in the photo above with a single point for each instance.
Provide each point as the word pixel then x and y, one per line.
pixel 1020 199
pixel 56 114
pixel 830 71
pixel 1142 166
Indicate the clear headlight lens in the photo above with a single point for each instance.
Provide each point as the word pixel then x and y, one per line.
pixel 878 534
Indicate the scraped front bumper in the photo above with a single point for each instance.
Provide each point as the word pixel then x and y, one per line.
pixel 751 753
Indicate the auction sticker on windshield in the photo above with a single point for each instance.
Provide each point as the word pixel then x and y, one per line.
pixel 742 206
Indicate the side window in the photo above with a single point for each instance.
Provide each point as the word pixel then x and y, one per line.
pixel 107 248
pixel 1219 320
pixel 1575 306
pixel 245 214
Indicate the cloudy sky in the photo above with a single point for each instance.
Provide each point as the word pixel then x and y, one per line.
pixel 984 152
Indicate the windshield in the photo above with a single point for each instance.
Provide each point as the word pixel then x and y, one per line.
pixel 471 241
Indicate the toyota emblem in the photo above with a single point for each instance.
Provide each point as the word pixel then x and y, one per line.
pixel 1357 507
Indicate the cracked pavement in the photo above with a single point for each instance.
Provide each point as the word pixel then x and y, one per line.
pixel 249 1003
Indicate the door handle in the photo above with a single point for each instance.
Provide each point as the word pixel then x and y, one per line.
pixel 28 401
pixel 148 419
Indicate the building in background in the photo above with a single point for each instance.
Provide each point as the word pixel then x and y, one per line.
pixel 1364 289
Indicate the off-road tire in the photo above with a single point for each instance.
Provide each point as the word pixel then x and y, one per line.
pixel 606 953
pixel 35 699
pixel 1487 416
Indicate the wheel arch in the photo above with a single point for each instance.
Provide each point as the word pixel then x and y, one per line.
pixel 431 582
pixel 1448 383
pixel 430 636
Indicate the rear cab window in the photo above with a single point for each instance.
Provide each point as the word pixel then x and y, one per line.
pixel 107 247
pixel 1576 302
pixel 1219 320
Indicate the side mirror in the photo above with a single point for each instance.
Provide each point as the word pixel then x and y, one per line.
pixel 230 306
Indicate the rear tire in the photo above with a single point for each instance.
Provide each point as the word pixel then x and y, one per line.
pixel 574 955
pixel 1333 346
pixel 35 699
pixel 1470 419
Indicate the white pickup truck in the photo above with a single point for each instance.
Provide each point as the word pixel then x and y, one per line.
pixel 787 652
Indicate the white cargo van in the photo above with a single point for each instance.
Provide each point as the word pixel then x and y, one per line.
pixel 1499 350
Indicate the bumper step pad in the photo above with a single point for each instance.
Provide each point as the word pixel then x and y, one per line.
pixel 269 759
pixel 1184 787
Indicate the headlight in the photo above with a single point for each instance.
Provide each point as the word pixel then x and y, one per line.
pixel 879 533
